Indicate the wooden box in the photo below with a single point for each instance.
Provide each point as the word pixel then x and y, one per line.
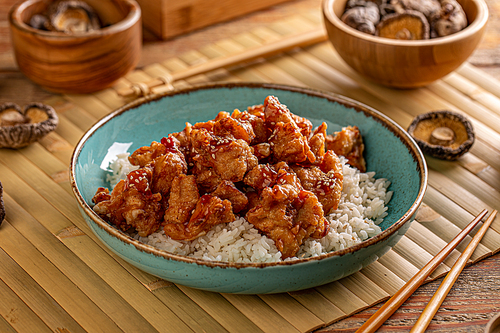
pixel 169 18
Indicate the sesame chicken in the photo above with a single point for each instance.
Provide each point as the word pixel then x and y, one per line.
pixel 265 164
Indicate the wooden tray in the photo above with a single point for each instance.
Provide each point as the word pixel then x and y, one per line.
pixel 55 276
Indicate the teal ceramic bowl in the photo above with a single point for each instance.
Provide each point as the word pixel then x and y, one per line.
pixel 390 152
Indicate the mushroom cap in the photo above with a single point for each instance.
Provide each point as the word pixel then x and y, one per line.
pixel 443 134
pixel 409 25
pixel 19 129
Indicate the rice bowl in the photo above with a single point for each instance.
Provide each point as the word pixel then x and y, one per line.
pixel 391 153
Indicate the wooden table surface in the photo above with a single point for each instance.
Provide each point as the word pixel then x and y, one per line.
pixel 474 299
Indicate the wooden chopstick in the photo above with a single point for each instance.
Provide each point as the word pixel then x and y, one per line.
pixel 443 290
pixel 379 317
pixel 282 45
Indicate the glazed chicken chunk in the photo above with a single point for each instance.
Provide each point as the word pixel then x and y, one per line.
pixel 131 203
pixel 286 213
pixel 348 143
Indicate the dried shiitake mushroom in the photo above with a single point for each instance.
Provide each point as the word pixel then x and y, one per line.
pixel 68 16
pixel 450 19
pixel 18 129
pixel 409 25
pixel 361 15
pixel 443 134
pixel 2 206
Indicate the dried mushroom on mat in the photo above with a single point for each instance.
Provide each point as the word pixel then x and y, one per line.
pixel 68 16
pixel 443 134
pixel 405 19
pixel 2 206
pixel 20 128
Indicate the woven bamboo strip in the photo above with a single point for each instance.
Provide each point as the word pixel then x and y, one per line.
pixel 464 103
pixel 55 283
pixel 58 147
pixel 89 103
pixel 44 160
pixel 318 305
pixel 221 310
pixel 383 277
pixel 480 77
pixel 398 265
pixel 342 297
pixel 487 153
pixel 35 297
pixel 473 91
pixel 294 312
pixel 444 206
pixel 5 327
pixel 111 98
pixel 467 181
pixel 192 314
pixel 260 313
pixel 426 239
pixel 76 115
pixel 482 170
pixel 367 290
pixel 417 256
pixel 17 312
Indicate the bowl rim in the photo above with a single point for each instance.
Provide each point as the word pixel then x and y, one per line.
pixel 471 29
pixel 132 17
pixel 332 97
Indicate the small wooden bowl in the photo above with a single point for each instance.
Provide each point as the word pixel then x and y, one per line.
pixel 78 63
pixel 403 63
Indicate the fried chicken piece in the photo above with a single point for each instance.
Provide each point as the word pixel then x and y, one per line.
pixel 183 198
pixel 288 214
pixel 260 177
pixel 236 128
pixel 230 158
pixel 317 141
pixel 145 155
pixel 131 203
pixel 325 180
pixel 165 169
pixel 183 139
pixel 289 145
pixel 255 117
pixel 276 112
pixel 262 150
pixel 348 143
pixel 209 211
pixel 227 190
pixel 206 177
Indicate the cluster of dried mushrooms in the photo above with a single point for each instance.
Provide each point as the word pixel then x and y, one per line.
pixel 68 16
pixel 19 128
pixel 405 19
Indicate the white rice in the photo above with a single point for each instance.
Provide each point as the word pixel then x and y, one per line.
pixel 362 208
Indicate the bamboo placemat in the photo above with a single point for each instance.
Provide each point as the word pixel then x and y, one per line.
pixel 55 276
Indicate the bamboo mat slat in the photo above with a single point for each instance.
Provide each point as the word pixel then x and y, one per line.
pixel 77 284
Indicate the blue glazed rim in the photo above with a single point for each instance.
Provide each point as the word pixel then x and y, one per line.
pixel 388 123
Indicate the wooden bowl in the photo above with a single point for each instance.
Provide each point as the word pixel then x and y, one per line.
pixel 78 63
pixel 403 63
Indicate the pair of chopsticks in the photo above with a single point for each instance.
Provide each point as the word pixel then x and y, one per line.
pixel 379 317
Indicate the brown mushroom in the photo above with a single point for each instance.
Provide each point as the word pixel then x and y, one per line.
pixel 19 129
pixel 2 206
pixel 71 16
pixel 409 25
pixel 448 20
pixel 442 134
pixel 361 15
